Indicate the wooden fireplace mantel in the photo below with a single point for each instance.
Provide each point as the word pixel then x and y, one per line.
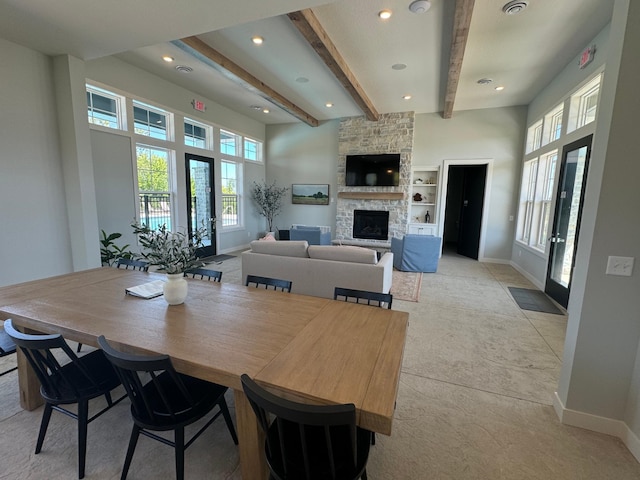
pixel 372 195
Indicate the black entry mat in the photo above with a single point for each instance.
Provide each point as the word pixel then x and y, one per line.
pixel 534 300
pixel 217 258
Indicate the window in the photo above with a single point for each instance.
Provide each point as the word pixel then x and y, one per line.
pixel 548 173
pixel 584 104
pixel 104 108
pixel 553 124
pixel 534 136
pixel 150 121
pixel 252 150
pixel 229 143
pixel 527 199
pixel 153 185
pixel 196 134
pixel 230 195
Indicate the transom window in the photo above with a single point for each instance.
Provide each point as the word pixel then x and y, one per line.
pixel 229 143
pixel 196 134
pixel 230 177
pixel 104 108
pixel 252 150
pixel 150 121
pixel 553 124
pixel 584 104
pixel 534 136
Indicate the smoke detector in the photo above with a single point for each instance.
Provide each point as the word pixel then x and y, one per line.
pixel 420 6
pixel 514 7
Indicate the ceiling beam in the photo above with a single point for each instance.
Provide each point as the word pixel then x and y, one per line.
pixel 461 22
pixel 237 74
pixel 309 26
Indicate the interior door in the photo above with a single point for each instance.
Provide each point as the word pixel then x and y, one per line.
pixel 201 200
pixel 471 210
pixel 566 221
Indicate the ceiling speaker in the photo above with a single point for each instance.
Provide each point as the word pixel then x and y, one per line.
pixel 420 6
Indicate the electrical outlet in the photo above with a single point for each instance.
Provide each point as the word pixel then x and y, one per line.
pixel 622 266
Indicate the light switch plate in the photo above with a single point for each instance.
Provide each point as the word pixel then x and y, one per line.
pixel 622 266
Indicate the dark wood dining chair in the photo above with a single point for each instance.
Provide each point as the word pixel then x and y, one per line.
pixel 204 273
pixel 164 400
pixel 364 297
pixel 7 347
pixel 127 263
pixel 266 282
pixel 309 442
pixel 76 382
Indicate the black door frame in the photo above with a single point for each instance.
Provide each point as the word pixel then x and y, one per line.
pixel 443 196
pixel 213 248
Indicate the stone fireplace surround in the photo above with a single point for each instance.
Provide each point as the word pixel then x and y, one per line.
pixel 392 133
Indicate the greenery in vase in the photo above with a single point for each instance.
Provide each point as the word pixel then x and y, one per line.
pixel 268 198
pixel 172 252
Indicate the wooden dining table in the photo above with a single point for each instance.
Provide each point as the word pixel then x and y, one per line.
pixel 309 349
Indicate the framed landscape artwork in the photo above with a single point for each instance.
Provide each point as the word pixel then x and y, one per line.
pixel 305 194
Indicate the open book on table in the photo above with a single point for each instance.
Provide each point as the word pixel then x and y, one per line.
pixel 146 290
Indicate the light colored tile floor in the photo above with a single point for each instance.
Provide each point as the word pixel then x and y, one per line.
pixel 474 403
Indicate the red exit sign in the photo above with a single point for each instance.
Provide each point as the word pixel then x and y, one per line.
pixel 586 57
pixel 198 105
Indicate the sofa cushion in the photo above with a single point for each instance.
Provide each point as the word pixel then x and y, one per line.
pixel 343 253
pixel 284 249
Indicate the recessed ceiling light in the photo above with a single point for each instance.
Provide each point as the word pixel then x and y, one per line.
pixel 514 7
pixel 398 66
pixel 484 81
pixel 265 110
pixel 500 88
pixel 168 59
pixel 384 14
pixel 328 104
pixel 406 97
pixel 184 69
pixel 420 6
pixel 302 79
pixel 257 40
pixel 255 107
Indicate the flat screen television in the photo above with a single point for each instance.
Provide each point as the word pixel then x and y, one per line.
pixel 381 170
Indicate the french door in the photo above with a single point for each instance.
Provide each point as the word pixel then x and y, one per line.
pixel 201 202
pixel 566 221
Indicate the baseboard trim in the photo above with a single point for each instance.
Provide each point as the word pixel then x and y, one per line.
pixel 494 260
pixel 527 275
pixel 608 426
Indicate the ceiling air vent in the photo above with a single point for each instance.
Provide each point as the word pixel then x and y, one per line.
pixel 184 69
pixel 514 7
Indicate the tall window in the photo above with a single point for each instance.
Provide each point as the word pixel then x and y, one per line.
pixel 150 121
pixel 196 134
pixel 527 199
pixel 548 174
pixel 154 191
pixel 229 143
pixel 584 104
pixel 230 177
pixel 252 150
pixel 104 108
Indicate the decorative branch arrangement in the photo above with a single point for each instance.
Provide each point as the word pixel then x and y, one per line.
pixel 268 198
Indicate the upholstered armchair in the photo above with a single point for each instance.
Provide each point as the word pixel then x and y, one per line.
pixel 416 253
pixel 313 235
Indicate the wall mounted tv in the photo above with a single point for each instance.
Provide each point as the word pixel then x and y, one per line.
pixel 381 170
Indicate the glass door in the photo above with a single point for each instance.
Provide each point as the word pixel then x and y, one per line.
pixel 201 200
pixel 566 222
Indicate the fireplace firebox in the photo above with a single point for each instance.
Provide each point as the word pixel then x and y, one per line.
pixel 371 224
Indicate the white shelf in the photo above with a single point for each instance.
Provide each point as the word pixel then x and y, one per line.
pixel 418 210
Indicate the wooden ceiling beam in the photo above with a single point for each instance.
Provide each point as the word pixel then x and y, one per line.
pixel 308 25
pixel 461 23
pixel 237 74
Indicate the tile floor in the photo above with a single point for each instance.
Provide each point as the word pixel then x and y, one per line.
pixel 475 402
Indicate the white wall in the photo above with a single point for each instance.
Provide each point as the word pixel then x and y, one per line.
pixel 35 240
pixel 496 134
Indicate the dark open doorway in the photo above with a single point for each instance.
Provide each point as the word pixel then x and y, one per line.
pixel 462 229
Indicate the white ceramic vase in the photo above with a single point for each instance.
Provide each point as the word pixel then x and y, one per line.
pixel 175 289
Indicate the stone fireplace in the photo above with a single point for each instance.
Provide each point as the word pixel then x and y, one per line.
pixel 392 133
pixel 371 224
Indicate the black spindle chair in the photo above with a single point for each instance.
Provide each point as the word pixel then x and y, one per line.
pixel 7 347
pixel 134 264
pixel 204 273
pixel 364 297
pixel 266 282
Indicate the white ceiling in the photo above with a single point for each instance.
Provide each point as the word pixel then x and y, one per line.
pixel 521 52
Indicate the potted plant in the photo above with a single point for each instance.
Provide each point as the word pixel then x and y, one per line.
pixel 109 251
pixel 268 198
pixel 173 253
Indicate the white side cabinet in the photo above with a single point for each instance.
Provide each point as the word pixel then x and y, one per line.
pixel 423 209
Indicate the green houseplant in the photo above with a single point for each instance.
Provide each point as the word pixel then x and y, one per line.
pixel 109 251
pixel 268 198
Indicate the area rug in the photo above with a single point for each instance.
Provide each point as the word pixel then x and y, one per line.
pixel 406 285
pixel 533 300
